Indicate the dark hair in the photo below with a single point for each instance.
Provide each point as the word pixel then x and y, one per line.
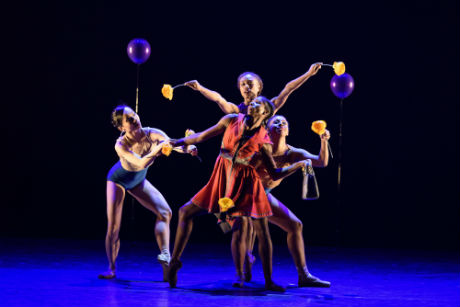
pixel 269 105
pixel 273 116
pixel 117 115
pixel 259 79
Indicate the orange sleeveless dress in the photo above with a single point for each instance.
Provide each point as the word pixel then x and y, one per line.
pixel 234 177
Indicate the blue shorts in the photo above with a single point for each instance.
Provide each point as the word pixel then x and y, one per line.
pixel 125 178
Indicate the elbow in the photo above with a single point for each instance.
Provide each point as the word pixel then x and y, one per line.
pixel 275 175
pixel 229 110
pixel 199 139
pixel 143 165
pixel 291 86
pixel 321 164
pixel 325 161
pixel 194 140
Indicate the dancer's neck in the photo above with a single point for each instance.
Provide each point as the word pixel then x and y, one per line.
pixel 136 135
pixel 279 146
pixel 253 122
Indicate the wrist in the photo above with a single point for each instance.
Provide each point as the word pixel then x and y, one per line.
pixel 179 142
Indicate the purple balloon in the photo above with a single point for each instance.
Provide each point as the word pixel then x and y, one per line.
pixel 138 50
pixel 342 85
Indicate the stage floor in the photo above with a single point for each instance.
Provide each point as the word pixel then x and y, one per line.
pixel 64 273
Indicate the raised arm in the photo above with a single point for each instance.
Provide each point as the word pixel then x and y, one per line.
pixel 320 160
pixel 213 131
pixel 282 172
pixel 291 86
pixel 224 105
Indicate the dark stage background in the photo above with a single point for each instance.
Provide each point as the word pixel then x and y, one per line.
pixel 67 68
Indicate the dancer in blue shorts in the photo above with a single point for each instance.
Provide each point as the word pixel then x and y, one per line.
pixel 137 148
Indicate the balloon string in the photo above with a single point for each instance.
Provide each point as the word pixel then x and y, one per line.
pixel 179 85
pixel 137 88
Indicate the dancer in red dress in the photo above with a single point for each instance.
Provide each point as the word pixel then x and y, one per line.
pixel 234 177
pixel 250 86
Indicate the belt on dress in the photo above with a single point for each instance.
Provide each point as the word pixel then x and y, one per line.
pixel 226 155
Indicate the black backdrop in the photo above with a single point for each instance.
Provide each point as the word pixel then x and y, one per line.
pixel 67 68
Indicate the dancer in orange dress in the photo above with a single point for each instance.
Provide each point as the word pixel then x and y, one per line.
pixel 234 177
pixel 250 86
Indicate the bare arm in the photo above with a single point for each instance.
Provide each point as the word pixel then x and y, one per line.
pixel 213 131
pixel 140 162
pixel 160 136
pixel 224 105
pixel 320 160
pixel 291 86
pixel 282 172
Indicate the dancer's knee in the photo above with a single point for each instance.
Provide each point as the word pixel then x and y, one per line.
pixel 184 213
pixel 296 227
pixel 113 233
pixel 261 228
pixel 165 215
pixel 238 235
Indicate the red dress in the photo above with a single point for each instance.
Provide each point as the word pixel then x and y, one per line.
pixel 238 180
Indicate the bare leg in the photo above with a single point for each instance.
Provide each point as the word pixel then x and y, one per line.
pixel 239 240
pixel 184 228
pixel 249 259
pixel 286 220
pixel 149 197
pixel 266 253
pixel 115 197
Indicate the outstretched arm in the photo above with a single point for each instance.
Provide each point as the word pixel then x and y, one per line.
pixel 199 137
pixel 280 100
pixel 282 172
pixel 160 136
pixel 224 105
pixel 320 160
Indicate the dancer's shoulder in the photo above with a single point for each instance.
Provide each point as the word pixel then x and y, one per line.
pixel 295 154
pixel 155 134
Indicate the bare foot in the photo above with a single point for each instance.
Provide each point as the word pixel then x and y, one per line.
pixel 248 262
pixel 107 275
pixel 174 266
pixel 272 286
